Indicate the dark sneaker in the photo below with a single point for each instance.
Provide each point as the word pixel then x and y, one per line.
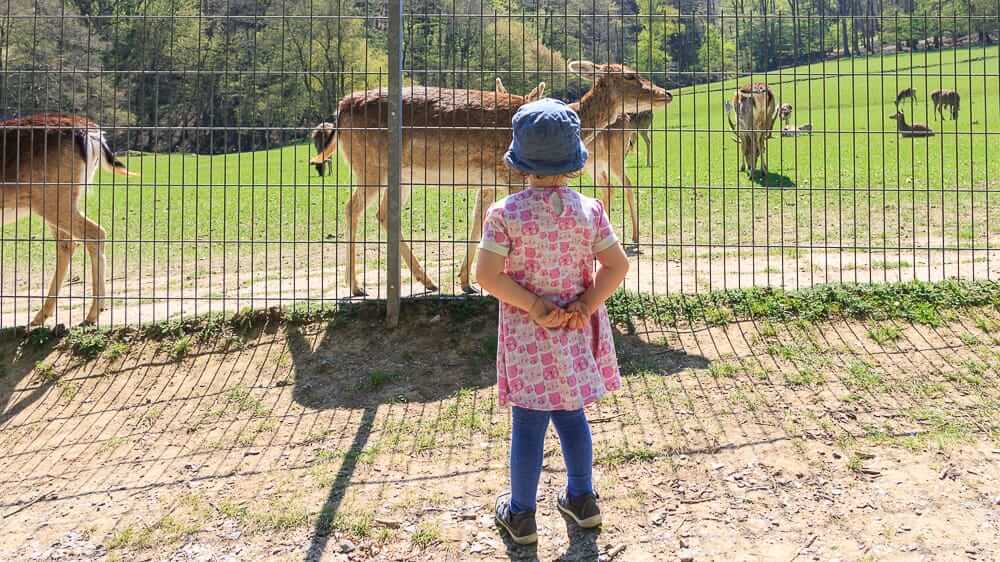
pixel 582 509
pixel 521 526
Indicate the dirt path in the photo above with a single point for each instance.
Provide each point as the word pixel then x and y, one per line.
pixel 169 288
pixel 342 442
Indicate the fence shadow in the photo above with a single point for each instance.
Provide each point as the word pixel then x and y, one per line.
pixel 336 366
pixel 19 354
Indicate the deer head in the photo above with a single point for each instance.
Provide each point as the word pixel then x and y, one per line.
pixel 622 83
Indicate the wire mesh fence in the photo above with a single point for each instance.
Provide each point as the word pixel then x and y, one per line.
pixel 866 128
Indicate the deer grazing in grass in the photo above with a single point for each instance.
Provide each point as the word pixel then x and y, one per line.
pixel 946 99
pixel 458 137
pixel 756 110
pixel 904 94
pixel 48 162
pixel 788 130
pixel 916 130
pixel 321 136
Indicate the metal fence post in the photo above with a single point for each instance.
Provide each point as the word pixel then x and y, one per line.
pixel 395 159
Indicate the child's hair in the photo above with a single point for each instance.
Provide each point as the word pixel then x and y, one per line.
pixel 567 175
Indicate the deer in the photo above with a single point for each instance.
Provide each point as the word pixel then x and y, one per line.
pixel 904 94
pixel 458 137
pixel 756 110
pixel 48 162
pixel 916 130
pixel 320 136
pixel 642 122
pixel 535 94
pixel 787 130
pixel 608 149
pixel 943 99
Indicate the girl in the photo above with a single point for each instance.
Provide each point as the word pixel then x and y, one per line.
pixel 555 352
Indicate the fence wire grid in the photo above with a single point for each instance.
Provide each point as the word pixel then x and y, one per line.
pixel 877 136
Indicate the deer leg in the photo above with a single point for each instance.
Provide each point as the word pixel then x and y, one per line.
pixel 93 236
pixel 632 211
pixel 362 196
pixel 649 147
pixel 405 254
pixel 484 199
pixel 65 247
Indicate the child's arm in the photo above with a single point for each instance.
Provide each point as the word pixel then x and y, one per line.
pixel 489 273
pixel 611 273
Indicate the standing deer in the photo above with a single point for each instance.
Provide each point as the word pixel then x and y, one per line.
pixel 608 149
pixel 756 110
pixel 48 162
pixel 916 130
pixel 946 98
pixel 321 136
pixel 458 137
pixel 904 94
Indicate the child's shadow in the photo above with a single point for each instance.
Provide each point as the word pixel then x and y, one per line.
pixel 582 545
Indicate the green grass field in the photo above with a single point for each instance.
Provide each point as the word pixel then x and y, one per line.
pixel 852 183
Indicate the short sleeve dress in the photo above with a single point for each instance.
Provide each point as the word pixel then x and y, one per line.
pixel 549 237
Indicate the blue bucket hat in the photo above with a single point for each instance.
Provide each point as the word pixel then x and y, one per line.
pixel 546 139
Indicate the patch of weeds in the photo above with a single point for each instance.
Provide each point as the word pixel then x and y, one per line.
pixel 280 515
pixel 45 372
pixel 113 443
pixel 248 436
pixel 179 348
pixel 116 350
pixel 149 417
pixel 39 337
pixel 621 455
pixel 927 314
pixel 719 316
pixel 721 369
pixel 244 401
pixel 747 398
pixel 969 339
pixel 767 330
pixel 803 377
pixel 426 534
pixel 67 390
pixel 855 463
pixel 942 432
pixel 355 525
pixel 885 333
pixel 384 535
pixel 862 376
pixel 132 538
pixel 378 379
pixel 87 341
pixel 929 389
pixel 987 324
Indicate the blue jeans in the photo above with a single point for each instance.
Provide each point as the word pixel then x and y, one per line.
pixel 526 448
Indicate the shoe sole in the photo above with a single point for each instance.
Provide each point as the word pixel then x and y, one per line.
pixel 527 539
pixel 588 523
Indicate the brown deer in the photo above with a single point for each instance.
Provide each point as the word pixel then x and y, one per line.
pixel 916 130
pixel 756 110
pixel 608 149
pixel 943 99
pixel 535 94
pixel 321 136
pixel 904 94
pixel 48 162
pixel 642 122
pixel 458 137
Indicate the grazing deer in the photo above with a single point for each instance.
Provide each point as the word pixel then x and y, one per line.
pixel 904 94
pixel 321 136
pixel 48 162
pixel 535 94
pixel 756 110
pixel 916 130
pixel 946 98
pixel 458 137
pixel 787 130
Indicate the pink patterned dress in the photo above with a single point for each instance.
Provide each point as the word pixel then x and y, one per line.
pixel 549 237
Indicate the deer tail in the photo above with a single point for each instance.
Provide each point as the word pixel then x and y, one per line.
pixel 112 164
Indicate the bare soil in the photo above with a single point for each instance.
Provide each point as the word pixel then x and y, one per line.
pixel 157 290
pixel 341 441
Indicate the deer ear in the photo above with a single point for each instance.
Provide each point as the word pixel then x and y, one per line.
pixel 500 89
pixel 536 93
pixel 584 68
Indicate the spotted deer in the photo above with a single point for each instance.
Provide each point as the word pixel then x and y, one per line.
pixel 756 110
pixel 320 136
pixel 458 137
pixel 48 162
pixel 946 99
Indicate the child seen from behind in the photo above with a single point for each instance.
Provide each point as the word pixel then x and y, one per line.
pixel 555 353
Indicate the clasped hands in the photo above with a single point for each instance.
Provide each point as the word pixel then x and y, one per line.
pixel 575 316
